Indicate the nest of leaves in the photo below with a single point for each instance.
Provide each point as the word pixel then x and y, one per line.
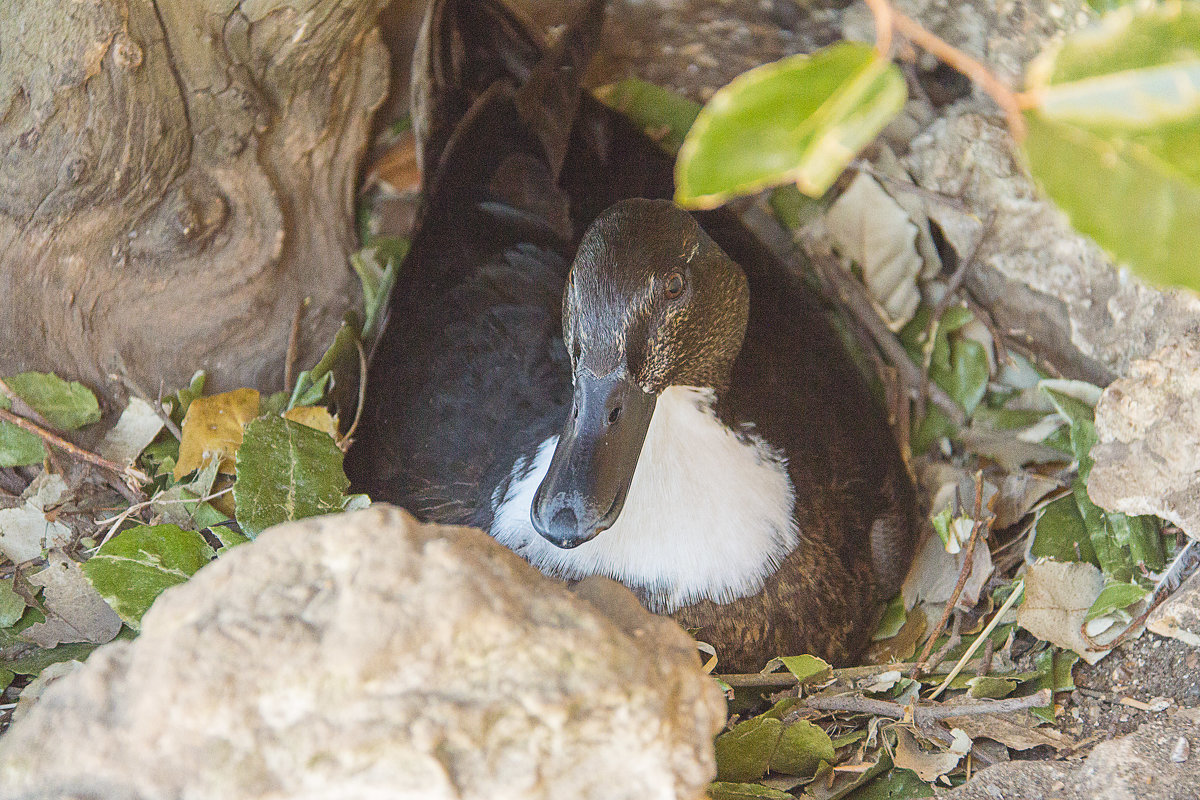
pixel 1021 577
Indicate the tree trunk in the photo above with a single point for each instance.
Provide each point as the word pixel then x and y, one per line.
pixel 176 178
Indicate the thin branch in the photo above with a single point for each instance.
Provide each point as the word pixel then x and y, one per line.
pixel 128 473
pixel 857 704
pixel 155 405
pixel 963 575
pixel 1008 100
pixel 881 10
pixel 345 442
pixel 289 365
pixel 854 296
pixel 1018 590
pixel 21 407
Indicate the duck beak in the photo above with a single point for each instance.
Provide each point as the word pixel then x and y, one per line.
pixel 584 490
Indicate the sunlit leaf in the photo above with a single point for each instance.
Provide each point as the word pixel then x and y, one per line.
pixel 66 405
pixel 1115 596
pixel 134 567
pixel 212 429
pixel 1113 139
pixel 808 116
pixel 661 114
pixel 286 471
pixel 745 791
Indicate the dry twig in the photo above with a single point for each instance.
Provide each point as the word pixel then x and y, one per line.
pixel 963 575
pixel 130 474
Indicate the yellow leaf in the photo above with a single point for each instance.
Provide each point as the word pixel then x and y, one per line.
pixel 314 417
pixel 213 429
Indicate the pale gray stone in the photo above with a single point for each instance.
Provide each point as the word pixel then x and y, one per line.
pixel 365 655
pixel 1135 767
pixel 1179 616
pixel 1148 423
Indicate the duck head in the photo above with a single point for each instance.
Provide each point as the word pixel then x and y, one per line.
pixel 650 302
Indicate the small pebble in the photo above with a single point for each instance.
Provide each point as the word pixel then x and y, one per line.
pixel 1182 750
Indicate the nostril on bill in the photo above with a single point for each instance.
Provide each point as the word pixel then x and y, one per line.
pixel 565 525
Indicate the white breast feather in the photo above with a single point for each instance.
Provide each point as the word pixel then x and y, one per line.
pixel 708 515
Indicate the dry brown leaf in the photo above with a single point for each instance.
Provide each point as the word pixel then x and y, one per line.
pixel 135 430
pixel 212 428
pixel 1057 599
pixel 1018 494
pixel 397 168
pixel 928 764
pixel 871 229
pixel 25 531
pixel 903 645
pixel 314 417
pixel 75 610
pixel 1017 729
pixel 934 574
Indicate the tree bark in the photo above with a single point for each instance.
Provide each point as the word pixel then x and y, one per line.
pixel 176 177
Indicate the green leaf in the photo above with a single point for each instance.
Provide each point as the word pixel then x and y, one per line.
pixel 966 380
pixel 377 267
pixel 18 448
pixel 893 619
pixel 12 605
pixel 744 753
pixel 895 784
pixel 1113 140
pixel 133 568
pixel 1059 533
pixel 6 678
pixel 1055 666
pixel 184 397
pixel 745 791
pixel 802 748
pixel 991 688
pixel 661 114
pixel 40 658
pixel 286 471
pixel 1113 597
pixel 65 405
pixel 228 537
pixel 806 668
pixel 807 116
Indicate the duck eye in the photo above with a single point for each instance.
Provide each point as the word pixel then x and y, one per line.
pixel 674 286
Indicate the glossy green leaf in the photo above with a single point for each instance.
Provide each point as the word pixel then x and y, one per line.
pixel 1113 597
pixel 66 405
pixel 806 118
pixel 744 753
pixel 745 791
pixel 1113 140
pixel 286 471
pixel 661 114
pixel 802 748
pixel 134 567
pixel 182 400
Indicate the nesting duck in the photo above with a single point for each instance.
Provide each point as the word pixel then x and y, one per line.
pixel 609 385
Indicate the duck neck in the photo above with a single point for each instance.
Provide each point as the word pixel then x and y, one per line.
pixel 708 516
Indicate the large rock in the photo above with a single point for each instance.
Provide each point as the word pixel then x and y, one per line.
pixel 1148 423
pixel 366 655
pixel 1149 764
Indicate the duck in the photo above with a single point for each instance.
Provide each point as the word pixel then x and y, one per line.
pixel 611 385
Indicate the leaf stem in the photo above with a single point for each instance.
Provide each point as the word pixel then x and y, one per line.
pixel 888 20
